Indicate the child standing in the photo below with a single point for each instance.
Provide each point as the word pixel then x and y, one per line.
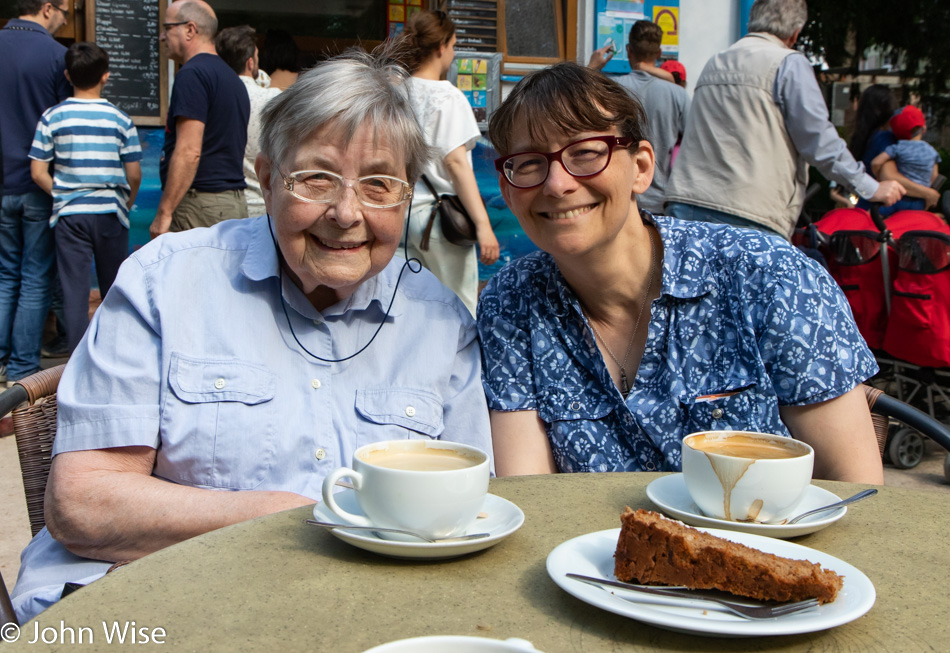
pixel 914 158
pixel 95 152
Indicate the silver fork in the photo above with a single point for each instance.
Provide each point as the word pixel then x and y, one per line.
pixel 740 609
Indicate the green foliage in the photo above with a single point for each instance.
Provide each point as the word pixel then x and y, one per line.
pixel 919 30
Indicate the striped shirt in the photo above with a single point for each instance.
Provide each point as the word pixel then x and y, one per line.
pixel 88 141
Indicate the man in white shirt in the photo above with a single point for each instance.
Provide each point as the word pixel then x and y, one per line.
pixel 236 45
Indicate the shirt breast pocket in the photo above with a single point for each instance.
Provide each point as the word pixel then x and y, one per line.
pixel 388 413
pixel 218 423
pixel 735 409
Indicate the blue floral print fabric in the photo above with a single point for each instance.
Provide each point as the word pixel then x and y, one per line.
pixel 744 324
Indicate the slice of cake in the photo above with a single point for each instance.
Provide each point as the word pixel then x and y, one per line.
pixel 654 550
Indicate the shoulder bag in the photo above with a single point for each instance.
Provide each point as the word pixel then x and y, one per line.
pixel 457 226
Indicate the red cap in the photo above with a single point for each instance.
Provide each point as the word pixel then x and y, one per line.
pixel 906 120
pixel 673 66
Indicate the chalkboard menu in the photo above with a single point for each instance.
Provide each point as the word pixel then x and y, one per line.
pixel 128 30
pixel 532 31
pixel 476 24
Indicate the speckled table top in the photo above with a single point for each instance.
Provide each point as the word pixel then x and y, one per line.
pixel 276 584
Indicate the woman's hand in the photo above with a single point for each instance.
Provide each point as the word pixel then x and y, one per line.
pixel 487 245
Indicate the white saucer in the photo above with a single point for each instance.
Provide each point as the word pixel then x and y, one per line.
pixel 593 555
pixel 503 519
pixel 670 495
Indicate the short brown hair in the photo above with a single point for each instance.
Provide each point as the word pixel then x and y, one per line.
pixel 644 41
pixel 571 99
pixel 235 45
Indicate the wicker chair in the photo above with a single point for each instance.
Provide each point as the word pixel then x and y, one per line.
pixel 33 402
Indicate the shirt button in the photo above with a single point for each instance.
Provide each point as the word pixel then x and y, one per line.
pixel 717 413
pixel 650 466
pixel 219 384
pixel 320 454
pixel 315 384
pixel 575 405
pixel 410 411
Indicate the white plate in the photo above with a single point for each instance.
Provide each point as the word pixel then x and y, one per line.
pixel 670 495
pixel 593 555
pixel 503 519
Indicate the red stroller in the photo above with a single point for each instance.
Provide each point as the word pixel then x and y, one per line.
pixel 896 277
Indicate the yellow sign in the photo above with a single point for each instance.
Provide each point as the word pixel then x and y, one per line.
pixel 668 18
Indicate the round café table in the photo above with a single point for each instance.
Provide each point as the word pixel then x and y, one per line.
pixel 277 584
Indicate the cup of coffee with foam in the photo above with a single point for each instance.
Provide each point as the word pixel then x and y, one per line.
pixel 746 476
pixel 432 487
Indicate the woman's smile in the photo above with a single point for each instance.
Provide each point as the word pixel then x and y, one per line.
pixel 337 245
pixel 568 214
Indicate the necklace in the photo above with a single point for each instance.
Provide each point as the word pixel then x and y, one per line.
pixel 624 383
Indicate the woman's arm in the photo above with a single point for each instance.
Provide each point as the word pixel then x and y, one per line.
pixel 887 170
pixel 842 435
pixel 520 443
pixel 104 504
pixel 463 181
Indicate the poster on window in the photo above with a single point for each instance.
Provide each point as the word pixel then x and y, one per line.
pixel 614 18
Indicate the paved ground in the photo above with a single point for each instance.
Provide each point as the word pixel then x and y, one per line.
pixel 15 526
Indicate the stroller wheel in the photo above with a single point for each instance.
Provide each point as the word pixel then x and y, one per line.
pixel 905 448
pixel 946 467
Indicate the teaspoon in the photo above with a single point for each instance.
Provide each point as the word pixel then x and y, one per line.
pixel 457 538
pixel 857 497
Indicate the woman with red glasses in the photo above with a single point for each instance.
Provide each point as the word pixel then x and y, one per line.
pixel 629 331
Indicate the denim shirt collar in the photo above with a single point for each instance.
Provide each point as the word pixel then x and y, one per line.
pixel 685 271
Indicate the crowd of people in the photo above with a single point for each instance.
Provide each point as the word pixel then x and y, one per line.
pixel 257 355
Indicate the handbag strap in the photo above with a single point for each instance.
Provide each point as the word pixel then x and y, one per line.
pixel 424 243
pixel 425 180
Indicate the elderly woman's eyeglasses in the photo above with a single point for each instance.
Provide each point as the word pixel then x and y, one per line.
pixel 323 187
pixel 584 158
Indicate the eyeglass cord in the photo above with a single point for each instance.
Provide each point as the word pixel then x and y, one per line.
pixel 283 304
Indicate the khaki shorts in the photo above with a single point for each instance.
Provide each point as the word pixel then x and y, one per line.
pixel 200 209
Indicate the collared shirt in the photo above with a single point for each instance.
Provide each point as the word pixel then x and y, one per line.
pixel 744 324
pixel 191 354
pixel 799 98
pixel 89 141
pixel 31 81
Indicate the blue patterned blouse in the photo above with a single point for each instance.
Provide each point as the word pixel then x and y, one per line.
pixel 741 314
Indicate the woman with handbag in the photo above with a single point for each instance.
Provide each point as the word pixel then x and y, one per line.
pixel 451 130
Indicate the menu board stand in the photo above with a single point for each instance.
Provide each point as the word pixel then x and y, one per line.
pixel 128 30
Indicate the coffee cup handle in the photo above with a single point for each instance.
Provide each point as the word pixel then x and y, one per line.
pixel 330 501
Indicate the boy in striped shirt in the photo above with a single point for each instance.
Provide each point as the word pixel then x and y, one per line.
pixel 94 150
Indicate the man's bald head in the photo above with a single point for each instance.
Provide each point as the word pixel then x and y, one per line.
pixel 195 11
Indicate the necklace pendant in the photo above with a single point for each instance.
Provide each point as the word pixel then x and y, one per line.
pixel 624 386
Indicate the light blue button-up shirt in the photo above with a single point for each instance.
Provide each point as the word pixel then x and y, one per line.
pixel 191 354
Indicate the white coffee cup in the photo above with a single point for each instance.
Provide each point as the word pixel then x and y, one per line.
pixel 746 476
pixel 432 487
pixel 455 644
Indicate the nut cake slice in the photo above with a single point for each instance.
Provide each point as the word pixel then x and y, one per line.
pixel 655 550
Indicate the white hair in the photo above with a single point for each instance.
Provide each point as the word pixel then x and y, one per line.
pixel 779 17
pixel 347 91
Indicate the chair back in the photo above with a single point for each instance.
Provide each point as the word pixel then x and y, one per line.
pixel 34 424
pixel 880 421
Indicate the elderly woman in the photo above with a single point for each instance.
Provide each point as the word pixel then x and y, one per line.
pixel 230 369
pixel 629 331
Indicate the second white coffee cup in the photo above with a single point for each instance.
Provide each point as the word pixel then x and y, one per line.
pixel 431 487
